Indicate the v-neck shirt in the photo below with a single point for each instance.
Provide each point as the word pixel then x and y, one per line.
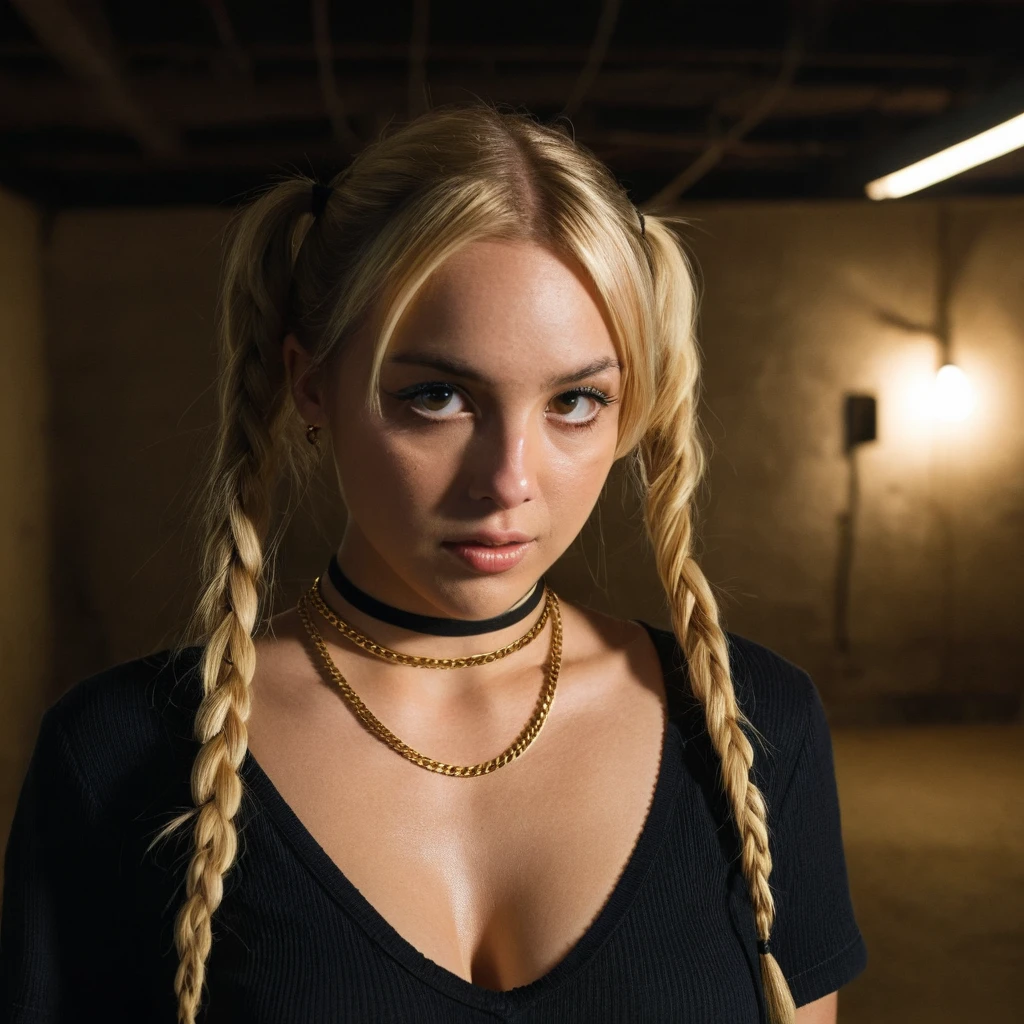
pixel 88 914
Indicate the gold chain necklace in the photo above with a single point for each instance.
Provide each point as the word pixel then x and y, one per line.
pixel 363 713
pixel 418 661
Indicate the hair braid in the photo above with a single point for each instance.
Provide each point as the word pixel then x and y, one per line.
pixel 236 512
pixel 234 565
pixel 671 464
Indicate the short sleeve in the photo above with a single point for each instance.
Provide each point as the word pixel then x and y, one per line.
pixel 815 938
pixel 54 926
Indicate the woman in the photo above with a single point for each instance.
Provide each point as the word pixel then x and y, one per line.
pixel 564 818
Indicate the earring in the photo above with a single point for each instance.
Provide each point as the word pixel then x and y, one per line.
pixel 311 434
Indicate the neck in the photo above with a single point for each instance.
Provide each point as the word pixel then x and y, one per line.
pixel 432 625
pixel 401 625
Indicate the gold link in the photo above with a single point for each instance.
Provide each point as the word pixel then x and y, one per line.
pixel 377 728
pixel 416 661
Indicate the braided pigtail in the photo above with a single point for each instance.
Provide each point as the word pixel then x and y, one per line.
pixel 671 464
pixel 236 509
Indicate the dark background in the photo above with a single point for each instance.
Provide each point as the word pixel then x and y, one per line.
pixel 128 103
pixel 129 133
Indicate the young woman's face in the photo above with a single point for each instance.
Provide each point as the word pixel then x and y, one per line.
pixel 500 398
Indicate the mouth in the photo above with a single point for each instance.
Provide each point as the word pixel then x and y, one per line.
pixel 487 555
pixel 492 539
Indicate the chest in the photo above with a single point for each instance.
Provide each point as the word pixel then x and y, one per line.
pixel 675 941
pixel 494 878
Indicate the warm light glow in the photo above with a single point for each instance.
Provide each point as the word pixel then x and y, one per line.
pixel 997 141
pixel 952 395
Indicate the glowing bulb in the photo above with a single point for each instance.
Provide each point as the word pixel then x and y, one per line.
pixel 952 395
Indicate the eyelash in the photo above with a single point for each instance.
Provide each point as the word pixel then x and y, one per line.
pixel 409 394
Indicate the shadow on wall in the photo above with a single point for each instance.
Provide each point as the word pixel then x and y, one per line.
pixel 26 628
pixel 805 303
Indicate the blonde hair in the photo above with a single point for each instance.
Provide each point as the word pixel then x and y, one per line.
pixel 405 204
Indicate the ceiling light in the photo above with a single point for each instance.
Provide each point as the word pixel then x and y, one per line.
pixel 987 145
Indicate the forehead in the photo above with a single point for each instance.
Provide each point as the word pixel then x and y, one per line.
pixel 505 304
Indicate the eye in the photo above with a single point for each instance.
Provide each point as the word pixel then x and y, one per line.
pixel 432 400
pixel 591 408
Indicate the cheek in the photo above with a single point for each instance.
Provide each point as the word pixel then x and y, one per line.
pixel 390 482
pixel 572 485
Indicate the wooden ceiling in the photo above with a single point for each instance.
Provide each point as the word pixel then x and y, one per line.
pixel 120 102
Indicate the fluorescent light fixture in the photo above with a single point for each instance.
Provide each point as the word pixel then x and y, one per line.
pixel 995 142
pixel 952 395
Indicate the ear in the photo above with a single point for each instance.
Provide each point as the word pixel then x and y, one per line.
pixel 305 388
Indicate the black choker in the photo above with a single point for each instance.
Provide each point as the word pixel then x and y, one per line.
pixel 428 623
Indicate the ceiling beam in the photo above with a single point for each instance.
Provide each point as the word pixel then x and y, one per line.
pixel 419 98
pixel 333 104
pixel 640 148
pixel 235 58
pixel 76 40
pixel 555 53
pixel 751 118
pixel 595 57
pixel 200 101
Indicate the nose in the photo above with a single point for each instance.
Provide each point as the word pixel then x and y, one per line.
pixel 503 461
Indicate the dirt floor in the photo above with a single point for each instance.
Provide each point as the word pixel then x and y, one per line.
pixel 933 822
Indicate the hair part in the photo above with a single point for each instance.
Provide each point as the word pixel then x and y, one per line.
pixel 407 202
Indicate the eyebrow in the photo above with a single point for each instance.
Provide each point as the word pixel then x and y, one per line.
pixel 459 369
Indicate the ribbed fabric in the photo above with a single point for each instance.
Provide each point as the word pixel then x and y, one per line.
pixel 87 921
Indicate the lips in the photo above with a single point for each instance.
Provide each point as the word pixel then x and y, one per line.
pixel 492 539
pixel 488 557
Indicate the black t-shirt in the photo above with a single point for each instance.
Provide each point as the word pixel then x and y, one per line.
pixel 87 920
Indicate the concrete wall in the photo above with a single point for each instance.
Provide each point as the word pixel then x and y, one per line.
pixel 802 303
pixel 130 304
pixel 25 618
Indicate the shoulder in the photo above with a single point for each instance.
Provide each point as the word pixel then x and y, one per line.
pixel 125 726
pixel 770 689
pixel 130 694
pixel 779 699
pixel 775 693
